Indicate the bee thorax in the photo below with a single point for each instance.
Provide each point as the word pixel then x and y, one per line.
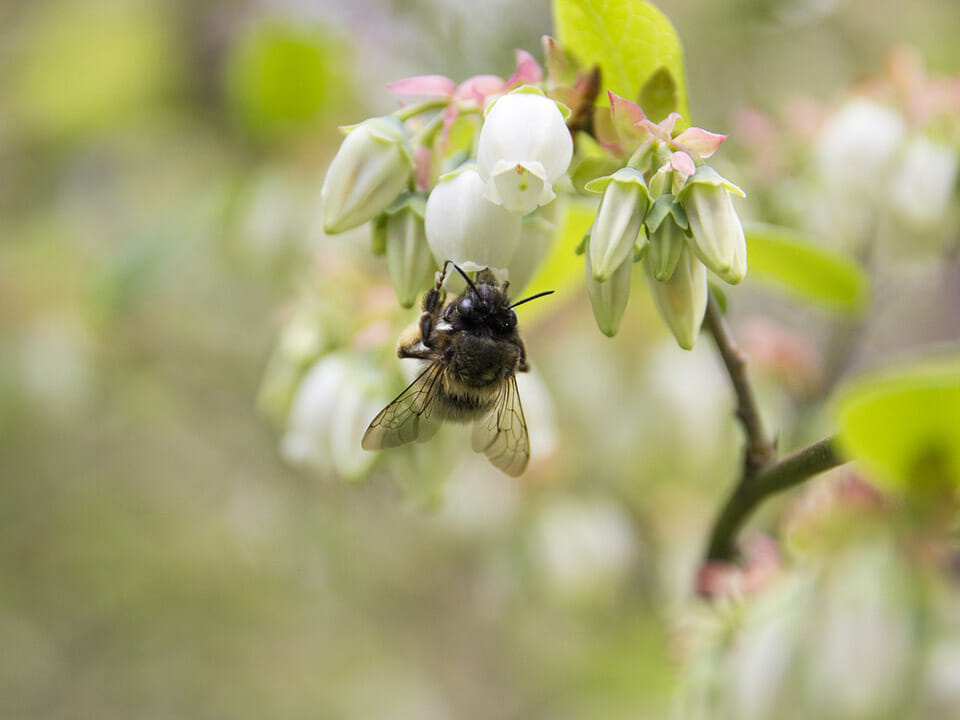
pixel 479 362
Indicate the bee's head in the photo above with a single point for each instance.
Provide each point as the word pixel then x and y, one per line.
pixel 486 304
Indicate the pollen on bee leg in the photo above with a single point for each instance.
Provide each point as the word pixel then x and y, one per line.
pixel 409 339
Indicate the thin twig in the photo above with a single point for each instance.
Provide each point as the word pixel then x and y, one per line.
pixel 792 470
pixel 759 450
pixel 761 476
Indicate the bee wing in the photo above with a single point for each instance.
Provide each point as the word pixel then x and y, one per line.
pixel 502 435
pixel 407 418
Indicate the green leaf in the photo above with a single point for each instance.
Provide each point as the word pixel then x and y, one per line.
pixel 282 78
pixel 903 424
pixel 562 269
pixel 85 67
pixel 813 273
pixel 637 48
pixel 658 96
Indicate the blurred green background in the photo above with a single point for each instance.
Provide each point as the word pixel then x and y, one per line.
pixel 160 163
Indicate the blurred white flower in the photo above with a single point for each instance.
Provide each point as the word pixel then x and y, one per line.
pixel 585 548
pixel 925 181
pixel 371 168
pixel 864 635
pixel 524 148
pixel 54 364
pixel 856 148
pixel 336 400
pixel 464 226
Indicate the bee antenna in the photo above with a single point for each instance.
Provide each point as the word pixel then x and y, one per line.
pixel 533 297
pixel 467 278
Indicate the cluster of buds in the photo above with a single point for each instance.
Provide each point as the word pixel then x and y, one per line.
pixel 459 172
pixel 666 209
pixel 470 173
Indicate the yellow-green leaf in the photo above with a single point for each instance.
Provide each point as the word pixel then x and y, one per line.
pixel 562 269
pixel 637 48
pixel 903 425
pixel 794 262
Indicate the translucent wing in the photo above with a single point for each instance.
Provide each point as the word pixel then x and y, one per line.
pixel 407 418
pixel 502 435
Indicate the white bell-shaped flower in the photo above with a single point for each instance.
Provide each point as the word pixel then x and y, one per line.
pixel 923 185
pixel 524 148
pixel 465 227
pixel 371 168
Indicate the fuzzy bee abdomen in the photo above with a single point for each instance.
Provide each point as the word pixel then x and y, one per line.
pixel 462 406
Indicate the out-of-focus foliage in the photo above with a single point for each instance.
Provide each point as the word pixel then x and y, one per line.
pixel 814 273
pixel 89 66
pixel 283 78
pixel 904 425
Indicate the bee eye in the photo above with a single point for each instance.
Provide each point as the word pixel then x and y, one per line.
pixel 512 319
pixel 465 306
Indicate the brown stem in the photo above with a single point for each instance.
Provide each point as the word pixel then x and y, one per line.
pixel 761 476
pixel 759 450
pixel 792 470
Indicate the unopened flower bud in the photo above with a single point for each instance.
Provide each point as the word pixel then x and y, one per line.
pixel 615 231
pixel 609 298
pixel 665 224
pixel 409 261
pixel 681 300
pixel 371 168
pixel 718 238
pixel 465 227
pixel 524 147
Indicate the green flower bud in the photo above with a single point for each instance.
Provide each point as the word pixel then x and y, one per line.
pixel 371 168
pixel 718 238
pixel 615 230
pixel 609 297
pixel 681 300
pixel 409 261
pixel 665 225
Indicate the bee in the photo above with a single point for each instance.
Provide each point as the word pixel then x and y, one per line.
pixel 473 353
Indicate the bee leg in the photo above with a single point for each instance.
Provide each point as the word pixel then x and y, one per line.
pixel 523 366
pixel 417 350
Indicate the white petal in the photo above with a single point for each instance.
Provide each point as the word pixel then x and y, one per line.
pixel 519 187
pixel 464 226
pixel 523 128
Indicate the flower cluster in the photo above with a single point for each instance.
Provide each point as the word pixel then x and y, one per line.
pixel 471 172
pixel 456 174
pixel 666 208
